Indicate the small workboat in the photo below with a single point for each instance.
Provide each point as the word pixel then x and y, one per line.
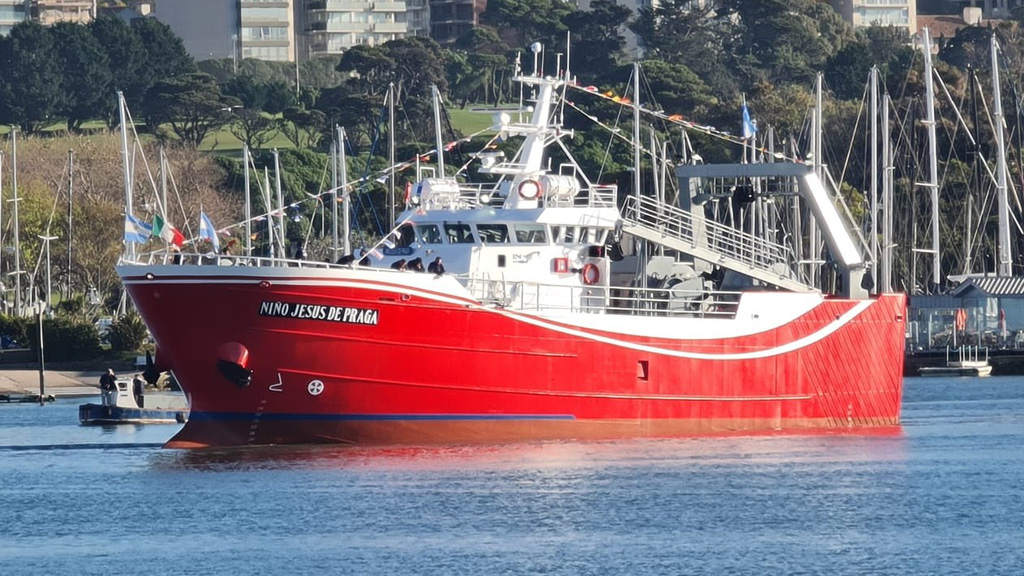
pixel 123 408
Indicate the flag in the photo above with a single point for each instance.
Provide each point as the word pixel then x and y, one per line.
pixel 207 231
pixel 135 230
pixel 169 233
pixel 376 254
pixel 749 126
pixel 387 242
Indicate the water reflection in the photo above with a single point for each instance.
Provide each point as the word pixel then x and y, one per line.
pixel 880 445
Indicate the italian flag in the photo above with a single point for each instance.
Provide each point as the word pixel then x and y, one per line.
pixel 169 233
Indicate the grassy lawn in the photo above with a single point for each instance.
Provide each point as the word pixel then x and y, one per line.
pixel 467 121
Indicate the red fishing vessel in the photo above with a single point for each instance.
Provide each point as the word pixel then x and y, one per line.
pixel 552 308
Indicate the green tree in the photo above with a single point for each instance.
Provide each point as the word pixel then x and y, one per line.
pixel 31 78
pixel 87 81
pixel 597 45
pixel 125 56
pixel 252 127
pixel 166 56
pixel 191 104
pixel 529 21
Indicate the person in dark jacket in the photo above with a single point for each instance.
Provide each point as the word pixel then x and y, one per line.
pixel 139 390
pixel 108 387
pixel 436 267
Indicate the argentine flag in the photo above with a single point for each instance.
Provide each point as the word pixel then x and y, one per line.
pixel 207 231
pixel 749 126
pixel 136 230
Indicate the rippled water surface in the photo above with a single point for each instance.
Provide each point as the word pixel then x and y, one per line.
pixel 944 495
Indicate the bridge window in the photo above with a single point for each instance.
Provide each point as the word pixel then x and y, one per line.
pixel 531 234
pixel 459 233
pixel 429 233
pixel 493 233
pixel 406 236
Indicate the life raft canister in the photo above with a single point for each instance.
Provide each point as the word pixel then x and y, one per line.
pixel 591 274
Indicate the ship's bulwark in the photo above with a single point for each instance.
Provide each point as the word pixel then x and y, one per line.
pixel 364 361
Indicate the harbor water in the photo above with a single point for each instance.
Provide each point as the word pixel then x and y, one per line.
pixel 942 495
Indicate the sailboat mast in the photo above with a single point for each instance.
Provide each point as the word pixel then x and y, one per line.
pixel 345 205
pixel 334 199
pixel 127 169
pixel 1005 262
pixel 280 206
pixel 391 149
pixel 71 193
pixel 887 199
pixel 933 157
pixel 874 175
pixel 248 201
pixel 17 223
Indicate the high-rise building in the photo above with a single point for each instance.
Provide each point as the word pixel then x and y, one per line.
pixel 46 12
pixel 49 12
pixel 334 26
pixel 864 13
pixel 207 28
pixel 12 12
pixel 266 29
pixel 450 19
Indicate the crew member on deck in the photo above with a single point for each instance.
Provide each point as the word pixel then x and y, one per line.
pixel 436 267
pixel 138 390
pixel 108 387
pixel 416 265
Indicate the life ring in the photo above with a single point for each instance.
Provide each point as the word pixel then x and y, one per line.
pixel 529 189
pixel 591 274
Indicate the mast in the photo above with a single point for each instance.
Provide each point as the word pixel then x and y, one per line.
pixel 391 149
pixel 270 212
pixel 874 176
pixel 71 190
pixel 3 294
pixel 972 79
pixel 334 199
pixel 127 170
pixel 437 132
pixel 1005 262
pixel 887 200
pixel 163 183
pixel 933 157
pixel 248 201
pixel 636 163
pixel 812 224
pixel 346 208
pixel 17 223
pixel 280 206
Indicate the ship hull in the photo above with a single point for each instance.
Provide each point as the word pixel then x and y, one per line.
pixel 377 357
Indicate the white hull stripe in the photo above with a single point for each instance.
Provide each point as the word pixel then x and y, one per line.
pixel 812 338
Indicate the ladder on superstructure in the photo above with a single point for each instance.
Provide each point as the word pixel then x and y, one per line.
pixel 680 230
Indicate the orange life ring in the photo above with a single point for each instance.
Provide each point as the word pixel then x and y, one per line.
pixel 591 274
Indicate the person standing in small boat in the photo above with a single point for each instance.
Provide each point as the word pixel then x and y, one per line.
pixel 139 390
pixel 108 387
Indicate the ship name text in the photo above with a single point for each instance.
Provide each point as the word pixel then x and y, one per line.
pixel 344 314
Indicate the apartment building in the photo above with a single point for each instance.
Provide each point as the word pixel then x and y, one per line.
pixel 864 13
pixel 267 29
pixel 11 13
pixel 450 19
pixel 46 12
pixel 49 12
pixel 334 26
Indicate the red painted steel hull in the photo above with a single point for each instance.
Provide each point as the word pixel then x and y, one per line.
pixel 437 368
